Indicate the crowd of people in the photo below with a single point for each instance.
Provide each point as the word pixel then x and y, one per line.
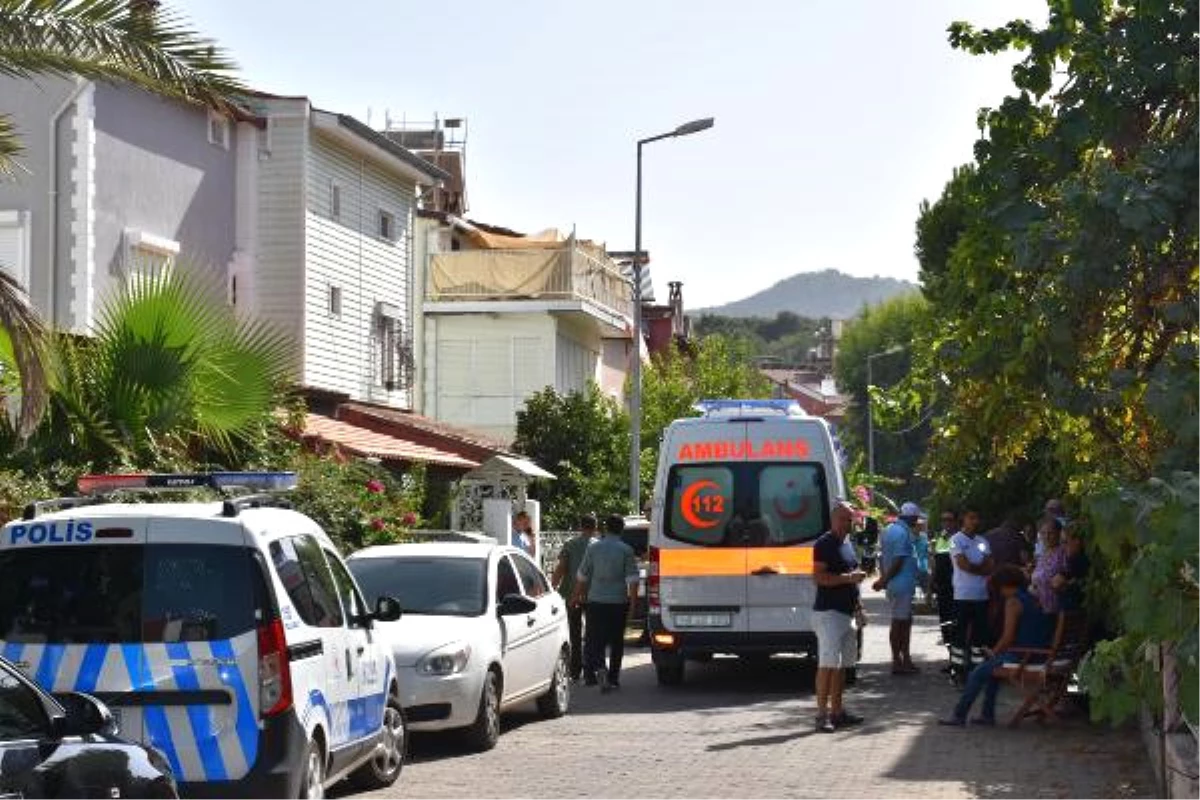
pixel 994 591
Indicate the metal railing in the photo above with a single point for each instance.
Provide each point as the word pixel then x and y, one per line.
pixel 553 273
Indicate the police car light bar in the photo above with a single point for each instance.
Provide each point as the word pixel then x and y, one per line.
pixel 715 408
pixel 261 481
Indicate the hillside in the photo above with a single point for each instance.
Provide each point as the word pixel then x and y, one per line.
pixel 815 294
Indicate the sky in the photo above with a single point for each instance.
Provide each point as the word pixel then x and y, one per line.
pixel 834 119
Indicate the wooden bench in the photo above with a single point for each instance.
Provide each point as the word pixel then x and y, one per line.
pixel 1043 675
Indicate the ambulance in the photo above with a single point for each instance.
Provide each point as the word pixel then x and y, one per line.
pixel 741 494
pixel 228 634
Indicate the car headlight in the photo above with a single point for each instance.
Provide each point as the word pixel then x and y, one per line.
pixel 445 660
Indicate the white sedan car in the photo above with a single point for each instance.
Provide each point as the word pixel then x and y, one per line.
pixel 480 631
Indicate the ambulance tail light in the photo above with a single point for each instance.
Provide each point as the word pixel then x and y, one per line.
pixel 274 671
pixel 652 593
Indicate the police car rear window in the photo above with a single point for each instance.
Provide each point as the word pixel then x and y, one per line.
pixel 749 504
pixel 126 593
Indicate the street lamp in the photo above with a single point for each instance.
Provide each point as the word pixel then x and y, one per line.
pixel 870 417
pixel 635 403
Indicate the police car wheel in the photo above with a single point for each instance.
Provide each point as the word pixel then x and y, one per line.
pixel 554 702
pixel 484 732
pixel 313 785
pixel 385 765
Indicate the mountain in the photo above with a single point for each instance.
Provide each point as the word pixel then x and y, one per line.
pixel 814 295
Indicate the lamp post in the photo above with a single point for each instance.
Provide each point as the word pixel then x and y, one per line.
pixel 870 416
pixel 635 402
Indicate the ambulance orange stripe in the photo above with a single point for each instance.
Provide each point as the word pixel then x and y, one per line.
pixel 734 561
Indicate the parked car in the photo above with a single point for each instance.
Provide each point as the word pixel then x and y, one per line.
pixel 481 631
pixel 229 635
pixel 637 536
pixel 70 747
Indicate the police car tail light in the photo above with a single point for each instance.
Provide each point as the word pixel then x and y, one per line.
pixel 652 598
pixel 274 672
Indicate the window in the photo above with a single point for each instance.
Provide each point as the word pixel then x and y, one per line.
pixel 335 201
pixel 747 504
pixel 451 586
pixel 14 245
pixel 218 130
pixel 335 301
pixel 129 593
pixel 531 577
pixel 22 715
pixel 308 581
pixel 387 226
pixel 506 580
pixel 352 604
pixel 148 255
pixel 395 363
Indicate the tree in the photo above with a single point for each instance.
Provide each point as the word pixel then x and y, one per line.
pixel 1062 267
pixel 583 438
pixel 719 367
pixel 117 40
pixel 171 375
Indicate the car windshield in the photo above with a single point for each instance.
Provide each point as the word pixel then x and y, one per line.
pixel 451 586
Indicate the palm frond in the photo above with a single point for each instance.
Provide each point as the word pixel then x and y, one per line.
pixel 10 147
pixel 112 39
pixel 22 340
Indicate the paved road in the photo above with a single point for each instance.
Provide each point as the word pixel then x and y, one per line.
pixel 738 731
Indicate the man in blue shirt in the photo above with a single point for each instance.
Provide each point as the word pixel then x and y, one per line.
pixel 898 573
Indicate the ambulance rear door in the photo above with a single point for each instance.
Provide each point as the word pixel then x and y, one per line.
pixel 787 503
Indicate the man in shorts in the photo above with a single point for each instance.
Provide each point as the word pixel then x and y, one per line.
pixel 898 574
pixel 837 577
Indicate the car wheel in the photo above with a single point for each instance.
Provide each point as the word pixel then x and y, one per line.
pixel 485 730
pixel 669 673
pixel 312 786
pixel 388 760
pixel 554 702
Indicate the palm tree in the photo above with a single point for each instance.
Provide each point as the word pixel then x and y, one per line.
pixel 125 40
pixel 170 374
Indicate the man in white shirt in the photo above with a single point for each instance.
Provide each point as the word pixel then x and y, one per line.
pixel 971 556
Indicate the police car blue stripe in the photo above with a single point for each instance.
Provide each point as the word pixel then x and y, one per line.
pixel 200 717
pixel 47 671
pixel 158 731
pixel 12 651
pixel 89 670
pixel 231 676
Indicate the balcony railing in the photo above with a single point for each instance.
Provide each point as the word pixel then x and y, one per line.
pixel 553 273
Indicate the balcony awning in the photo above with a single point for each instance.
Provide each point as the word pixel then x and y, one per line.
pixel 365 442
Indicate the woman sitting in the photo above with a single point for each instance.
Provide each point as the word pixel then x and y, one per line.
pixel 1024 626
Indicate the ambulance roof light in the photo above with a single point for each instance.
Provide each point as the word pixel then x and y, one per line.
pixel 725 408
pixel 259 481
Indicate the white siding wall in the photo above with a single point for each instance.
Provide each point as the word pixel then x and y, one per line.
pixel 480 368
pixel 279 267
pixel 342 352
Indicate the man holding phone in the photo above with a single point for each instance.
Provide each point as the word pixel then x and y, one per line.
pixel 835 611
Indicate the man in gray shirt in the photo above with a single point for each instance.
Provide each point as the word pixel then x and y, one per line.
pixel 608 581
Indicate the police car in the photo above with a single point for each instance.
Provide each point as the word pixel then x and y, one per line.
pixel 228 635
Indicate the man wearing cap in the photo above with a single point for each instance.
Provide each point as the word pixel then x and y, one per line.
pixel 570 559
pixel 837 576
pixel 608 581
pixel 898 574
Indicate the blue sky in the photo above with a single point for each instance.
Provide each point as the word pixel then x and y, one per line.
pixel 833 119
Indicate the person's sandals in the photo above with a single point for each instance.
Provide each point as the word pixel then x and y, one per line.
pixel 825 724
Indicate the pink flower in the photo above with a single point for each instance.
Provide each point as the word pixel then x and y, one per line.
pixel 374 487
pixel 377 524
pixel 409 518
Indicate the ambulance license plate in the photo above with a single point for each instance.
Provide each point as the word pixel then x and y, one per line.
pixel 703 620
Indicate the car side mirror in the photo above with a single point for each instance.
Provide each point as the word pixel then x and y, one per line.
pixel 512 604
pixel 387 609
pixel 86 716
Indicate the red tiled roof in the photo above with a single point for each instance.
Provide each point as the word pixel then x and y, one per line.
pixel 366 442
pixel 424 430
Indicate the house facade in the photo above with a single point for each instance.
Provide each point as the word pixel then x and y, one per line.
pixel 332 260
pixel 115 182
pixel 506 315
